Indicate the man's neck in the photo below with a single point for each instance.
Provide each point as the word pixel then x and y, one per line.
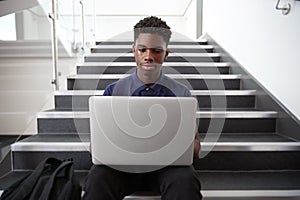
pixel 148 79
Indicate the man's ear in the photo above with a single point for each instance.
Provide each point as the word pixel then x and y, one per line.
pixel 133 49
pixel 167 53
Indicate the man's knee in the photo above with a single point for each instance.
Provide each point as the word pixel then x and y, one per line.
pixel 181 177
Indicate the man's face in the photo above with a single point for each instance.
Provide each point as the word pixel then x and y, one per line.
pixel 150 51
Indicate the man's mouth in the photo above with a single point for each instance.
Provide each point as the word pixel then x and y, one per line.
pixel 149 66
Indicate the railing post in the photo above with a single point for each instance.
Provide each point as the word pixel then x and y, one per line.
pixel 83 25
pixel 53 16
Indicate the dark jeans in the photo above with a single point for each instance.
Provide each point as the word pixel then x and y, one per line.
pixel 171 183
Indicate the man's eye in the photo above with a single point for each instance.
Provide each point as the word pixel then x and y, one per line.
pixel 142 50
pixel 158 51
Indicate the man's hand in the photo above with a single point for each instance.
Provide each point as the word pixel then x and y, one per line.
pixel 197 146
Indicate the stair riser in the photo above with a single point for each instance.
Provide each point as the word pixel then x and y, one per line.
pixel 27 160
pixel 229 125
pixel 128 69
pixel 195 84
pixel 250 160
pixel 213 161
pixel 171 43
pixel 58 125
pixel 132 59
pixel 81 102
pixel 173 50
pixel 237 125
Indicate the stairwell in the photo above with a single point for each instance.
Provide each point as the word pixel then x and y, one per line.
pixel 247 150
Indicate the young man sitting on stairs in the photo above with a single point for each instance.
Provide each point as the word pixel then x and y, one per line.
pixel 151 38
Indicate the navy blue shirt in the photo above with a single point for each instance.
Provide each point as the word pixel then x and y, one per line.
pixel 133 86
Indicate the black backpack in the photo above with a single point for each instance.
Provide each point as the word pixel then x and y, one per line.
pixel 51 180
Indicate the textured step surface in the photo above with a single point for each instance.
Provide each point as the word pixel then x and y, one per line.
pixel 172 57
pixel 231 152
pixel 172 42
pixel 192 81
pixel 192 48
pixel 168 67
pixel 78 99
pixel 220 185
pixel 210 121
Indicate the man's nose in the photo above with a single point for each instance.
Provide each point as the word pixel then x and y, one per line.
pixel 148 55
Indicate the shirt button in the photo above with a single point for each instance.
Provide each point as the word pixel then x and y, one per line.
pixel 147 89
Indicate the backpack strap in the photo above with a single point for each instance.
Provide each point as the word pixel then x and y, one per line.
pixel 65 165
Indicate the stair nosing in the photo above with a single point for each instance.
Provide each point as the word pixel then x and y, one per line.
pixel 167 64
pixel 193 92
pixel 174 76
pixel 199 114
pixel 170 55
pixel 234 194
pixel 228 194
pixel 205 146
pixel 250 193
pixel 170 46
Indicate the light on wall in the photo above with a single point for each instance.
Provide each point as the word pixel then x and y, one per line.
pixel 286 8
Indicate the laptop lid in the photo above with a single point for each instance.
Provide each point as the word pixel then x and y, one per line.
pixel 142 131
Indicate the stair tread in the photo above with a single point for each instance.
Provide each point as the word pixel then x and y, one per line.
pixel 225 137
pixel 128 46
pixel 172 42
pixel 170 64
pixel 226 142
pixel 175 76
pixel 203 113
pixel 250 180
pixel 193 92
pixel 170 55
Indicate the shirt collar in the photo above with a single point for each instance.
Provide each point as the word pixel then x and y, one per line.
pixel 139 83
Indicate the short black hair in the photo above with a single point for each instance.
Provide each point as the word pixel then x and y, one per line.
pixel 153 25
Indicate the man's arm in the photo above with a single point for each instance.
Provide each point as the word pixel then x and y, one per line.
pixel 197 146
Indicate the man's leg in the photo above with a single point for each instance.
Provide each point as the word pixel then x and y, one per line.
pixel 106 184
pixel 178 183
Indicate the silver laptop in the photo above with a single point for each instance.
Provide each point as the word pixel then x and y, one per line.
pixel 142 131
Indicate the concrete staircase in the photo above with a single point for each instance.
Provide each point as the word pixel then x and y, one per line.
pixel 245 153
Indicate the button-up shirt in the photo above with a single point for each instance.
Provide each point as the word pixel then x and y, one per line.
pixel 133 86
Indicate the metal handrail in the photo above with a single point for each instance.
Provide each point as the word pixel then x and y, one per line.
pixel 56 24
pixel 53 17
pixel 83 25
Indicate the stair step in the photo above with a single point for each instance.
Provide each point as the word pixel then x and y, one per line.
pixel 219 185
pixel 193 92
pixel 193 48
pixel 10 178
pixel 231 152
pixel 193 81
pixel 174 76
pixel 78 99
pixel 172 57
pixel 210 121
pixel 168 67
pixel 226 142
pixel 172 42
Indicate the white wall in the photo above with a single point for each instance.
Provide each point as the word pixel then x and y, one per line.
pixel 12 6
pixel 262 40
pixel 191 20
pixel 33 25
pixel 121 27
pixel 8 27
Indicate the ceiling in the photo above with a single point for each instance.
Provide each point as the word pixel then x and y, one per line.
pixel 141 7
